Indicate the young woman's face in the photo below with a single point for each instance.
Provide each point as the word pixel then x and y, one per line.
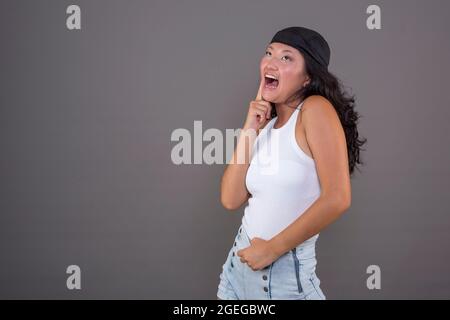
pixel 287 65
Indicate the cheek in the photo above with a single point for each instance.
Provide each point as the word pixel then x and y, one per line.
pixel 262 64
pixel 291 79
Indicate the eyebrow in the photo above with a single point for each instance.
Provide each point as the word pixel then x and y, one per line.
pixel 285 50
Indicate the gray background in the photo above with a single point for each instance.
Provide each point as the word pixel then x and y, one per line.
pixel 86 117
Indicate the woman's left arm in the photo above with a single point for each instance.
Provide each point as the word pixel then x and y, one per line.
pixel 326 140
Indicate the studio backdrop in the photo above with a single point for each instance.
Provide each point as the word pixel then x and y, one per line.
pixel 95 96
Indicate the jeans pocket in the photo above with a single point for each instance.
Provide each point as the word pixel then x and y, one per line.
pixel 312 288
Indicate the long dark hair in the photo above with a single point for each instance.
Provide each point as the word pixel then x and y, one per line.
pixel 324 83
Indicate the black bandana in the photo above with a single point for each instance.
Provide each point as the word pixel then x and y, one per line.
pixel 307 41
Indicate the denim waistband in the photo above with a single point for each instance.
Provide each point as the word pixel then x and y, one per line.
pixel 305 250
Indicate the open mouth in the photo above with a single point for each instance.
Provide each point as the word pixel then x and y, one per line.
pixel 270 83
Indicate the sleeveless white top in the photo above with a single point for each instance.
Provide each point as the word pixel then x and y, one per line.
pixel 281 178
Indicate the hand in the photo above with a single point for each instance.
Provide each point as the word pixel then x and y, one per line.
pixel 259 111
pixel 259 254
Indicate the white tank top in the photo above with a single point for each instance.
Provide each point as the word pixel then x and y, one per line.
pixel 281 178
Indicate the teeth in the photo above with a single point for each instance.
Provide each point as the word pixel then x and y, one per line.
pixel 271 76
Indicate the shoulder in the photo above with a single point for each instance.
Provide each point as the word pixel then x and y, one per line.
pixel 318 110
pixel 317 103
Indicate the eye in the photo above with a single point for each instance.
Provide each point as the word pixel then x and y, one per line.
pixel 289 58
pixel 267 52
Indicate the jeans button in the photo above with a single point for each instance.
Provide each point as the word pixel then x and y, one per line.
pixel 264 277
pixel 265 289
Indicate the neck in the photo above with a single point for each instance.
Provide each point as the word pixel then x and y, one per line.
pixel 284 110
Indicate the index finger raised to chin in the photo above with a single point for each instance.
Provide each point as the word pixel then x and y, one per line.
pixel 259 94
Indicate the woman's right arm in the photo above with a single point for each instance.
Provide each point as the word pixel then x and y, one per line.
pixel 233 190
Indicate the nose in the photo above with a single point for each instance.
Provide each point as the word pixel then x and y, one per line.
pixel 271 65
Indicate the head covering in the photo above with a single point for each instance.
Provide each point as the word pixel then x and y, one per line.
pixel 306 41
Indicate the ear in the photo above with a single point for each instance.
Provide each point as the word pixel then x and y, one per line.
pixel 306 82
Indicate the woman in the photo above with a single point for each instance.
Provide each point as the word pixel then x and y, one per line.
pixel 309 124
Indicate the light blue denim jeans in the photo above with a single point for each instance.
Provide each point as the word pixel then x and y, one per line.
pixel 291 277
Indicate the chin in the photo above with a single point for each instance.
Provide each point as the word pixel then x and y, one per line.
pixel 274 96
pixel 268 99
pixel 271 98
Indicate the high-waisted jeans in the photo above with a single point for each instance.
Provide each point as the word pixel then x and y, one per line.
pixel 291 277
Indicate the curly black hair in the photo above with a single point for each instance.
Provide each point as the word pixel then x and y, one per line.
pixel 326 84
